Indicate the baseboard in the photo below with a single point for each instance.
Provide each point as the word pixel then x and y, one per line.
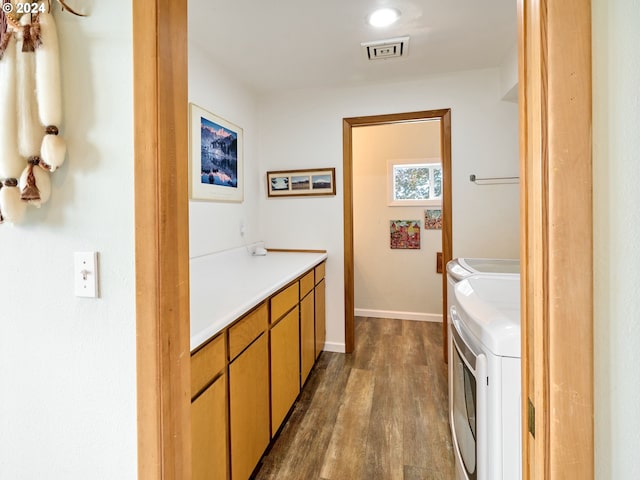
pixel 335 347
pixel 420 317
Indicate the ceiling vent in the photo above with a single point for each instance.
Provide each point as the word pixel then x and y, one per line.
pixel 383 49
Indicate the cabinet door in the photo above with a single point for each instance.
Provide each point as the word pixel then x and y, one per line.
pixel 210 454
pixel 249 408
pixel 320 317
pixel 285 367
pixel 307 337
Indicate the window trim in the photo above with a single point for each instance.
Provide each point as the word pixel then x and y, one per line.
pixel 391 201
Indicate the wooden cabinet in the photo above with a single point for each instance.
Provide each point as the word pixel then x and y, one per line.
pixel 245 380
pixel 247 330
pixel 306 283
pixel 307 337
pixel 249 408
pixel 284 301
pixel 210 452
pixel 320 312
pixel 206 363
pixel 285 367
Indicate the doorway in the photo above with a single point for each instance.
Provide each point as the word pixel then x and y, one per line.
pixel 162 287
pixel 397 187
pixel 349 271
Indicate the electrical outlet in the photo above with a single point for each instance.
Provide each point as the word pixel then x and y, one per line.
pixel 85 273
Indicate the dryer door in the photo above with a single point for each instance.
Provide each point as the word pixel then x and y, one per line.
pixel 465 402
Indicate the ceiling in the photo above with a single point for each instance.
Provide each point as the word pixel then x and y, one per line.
pixel 273 45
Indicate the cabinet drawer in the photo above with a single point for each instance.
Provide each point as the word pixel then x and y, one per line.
pixel 306 284
pixel 247 330
pixel 206 363
pixel 284 301
pixel 319 272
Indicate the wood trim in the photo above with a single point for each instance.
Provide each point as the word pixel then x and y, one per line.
pixel 349 282
pixel 556 230
pixel 347 153
pixel 447 220
pixel 570 241
pixel 161 225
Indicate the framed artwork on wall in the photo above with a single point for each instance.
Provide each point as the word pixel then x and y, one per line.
pixel 433 219
pixel 295 183
pixel 216 160
pixel 405 234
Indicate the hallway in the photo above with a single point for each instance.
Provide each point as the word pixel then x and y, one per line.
pixel 379 413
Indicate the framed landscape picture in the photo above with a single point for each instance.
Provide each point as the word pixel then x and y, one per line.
pixel 216 163
pixel 291 183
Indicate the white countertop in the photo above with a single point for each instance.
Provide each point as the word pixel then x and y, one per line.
pixel 226 285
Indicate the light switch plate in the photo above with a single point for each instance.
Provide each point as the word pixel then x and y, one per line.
pixel 85 273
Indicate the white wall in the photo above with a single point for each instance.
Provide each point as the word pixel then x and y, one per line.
pixel 393 283
pixel 303 129
pixel 215 226
pixel 67 364
pixel 616 123
pixel 509 75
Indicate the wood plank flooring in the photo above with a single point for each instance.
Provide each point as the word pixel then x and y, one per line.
pixel 377 414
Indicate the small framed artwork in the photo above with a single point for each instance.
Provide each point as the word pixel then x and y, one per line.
pixel 405 234
pixel 433 219
pixel 216 162
pixel 291 183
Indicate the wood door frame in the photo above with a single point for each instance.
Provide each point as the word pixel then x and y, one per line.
pixel 444 115
pixel 554 52
pixel 162 263
pixel 162 239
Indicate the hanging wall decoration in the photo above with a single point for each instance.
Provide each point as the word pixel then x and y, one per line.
pixel 311 181
pixel 216 157
pixel 31 147
pixel 405 234
pixel 433 219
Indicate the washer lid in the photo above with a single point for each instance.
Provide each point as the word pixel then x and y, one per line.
pixel 490 265
pixel 456 271
pixel 490 310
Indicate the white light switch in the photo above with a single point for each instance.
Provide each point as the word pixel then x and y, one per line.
pixel 86 274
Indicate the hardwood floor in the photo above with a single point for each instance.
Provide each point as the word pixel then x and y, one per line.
pixel 379 413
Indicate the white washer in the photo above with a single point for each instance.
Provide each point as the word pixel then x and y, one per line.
pixel 484 369
pixel 460 268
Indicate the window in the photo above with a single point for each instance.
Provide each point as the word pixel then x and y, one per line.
pixel 415 182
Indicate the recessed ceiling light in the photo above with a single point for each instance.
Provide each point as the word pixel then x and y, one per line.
pixel 383 17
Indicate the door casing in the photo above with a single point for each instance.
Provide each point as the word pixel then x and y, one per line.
pixel 444 115
pixel 556 246
pixel 564 439
pixel 162 239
